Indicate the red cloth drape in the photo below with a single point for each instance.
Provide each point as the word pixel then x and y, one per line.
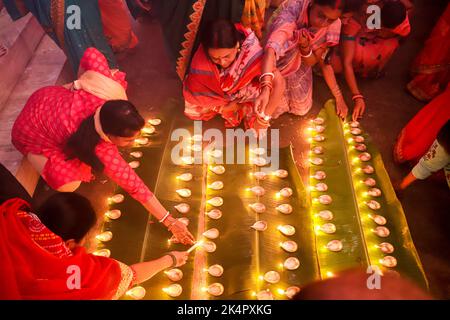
pixel 27 271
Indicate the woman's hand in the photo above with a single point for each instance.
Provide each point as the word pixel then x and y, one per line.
pixel 181 258
pixel 181 232
pixel 341 108
pixel 262 100
pixel 304 39
pixel 358 110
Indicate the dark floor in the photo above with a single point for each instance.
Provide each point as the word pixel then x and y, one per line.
pixel 152 81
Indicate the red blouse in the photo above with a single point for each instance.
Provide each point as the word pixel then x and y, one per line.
pixel 52 114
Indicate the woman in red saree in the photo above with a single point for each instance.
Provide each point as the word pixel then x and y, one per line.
pixel 37 263
pixel 431 69
pixel 418 135
pixel 224 77
pixel 67 133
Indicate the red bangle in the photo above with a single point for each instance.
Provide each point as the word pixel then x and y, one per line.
pixel 357 96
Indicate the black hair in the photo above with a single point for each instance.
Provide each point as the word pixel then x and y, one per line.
pixel 393 13
pixel 335 4
pixel 220 34
pixel 118 118
pixel 352 5
pixel 68 215
pixel 444 137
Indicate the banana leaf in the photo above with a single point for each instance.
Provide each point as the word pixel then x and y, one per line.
pixel 345 183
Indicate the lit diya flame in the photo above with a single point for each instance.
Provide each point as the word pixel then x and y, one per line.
pixel 272 277
pixel 214 214
pixel 382 232
pixel 356 131
pixel 365 156
pixel 187 160
pixel 287 230
pixel 285 208
pixel 184 220
pixel 257 191
pixel 380 220
pixel 291 291
pixel 326 215
pixel 317 150
pixel 319 138
pixel 370 182
pixel 136 154
pixel 154 122
pixel 102 253
pixel 260 225
pixel 289 246
pixel 386 247
pixel 215 289
pixel 354 124
pixel 258 151
pixel 104 236
pixel 216 185
pixel 217 169
pixel 265 295
pixel 136 293
pixel 325 199
pixel 185 177
pixel 216 153
pixel 319 129
pixel 174 290
pixel 328 228
pixel 113 214
pixel 286 192
pixel 335 245
pixel 316 161
pixel 281 173
pixel 360 147
pixel 374 205
pixel 257 207
pixel 260 175
pixel 117 198
pixel 368 169
pixel 215 202
pixel 141 141
pixel 321 187
pixel 212 233
pixel 174 274
pixel 291 263
pixel 259 161
pixel 389 262
pixel 319 120
pixel 182 207
pixel 185 193
pixel 148 129
pixel 195 148
pixel 216 270
pixel 319 175
pixel 374 192
pixel 197 137
pixel 209 246
pixel 134 164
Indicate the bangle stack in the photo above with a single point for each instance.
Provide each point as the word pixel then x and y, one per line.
pixel 271 74
pixel 310 53
pixel 358 96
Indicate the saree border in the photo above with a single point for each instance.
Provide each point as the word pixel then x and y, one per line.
pixel 190 36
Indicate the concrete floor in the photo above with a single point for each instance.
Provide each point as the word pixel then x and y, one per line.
pixel 152 81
